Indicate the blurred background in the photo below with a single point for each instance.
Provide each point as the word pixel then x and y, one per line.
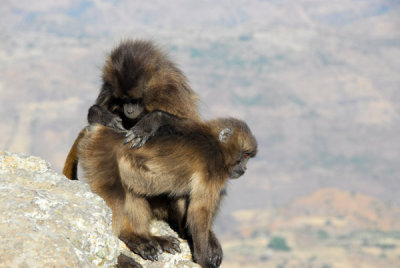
pixel 317 81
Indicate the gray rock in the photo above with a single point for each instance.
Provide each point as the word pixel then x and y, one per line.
pixel 47 220
pixel 165 260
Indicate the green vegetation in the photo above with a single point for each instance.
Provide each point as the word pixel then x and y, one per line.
pixel 278 243
pixel 246 37
pixel 386 246
pixel 322 235
pixel 296 100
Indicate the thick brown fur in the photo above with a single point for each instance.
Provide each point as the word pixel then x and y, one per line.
pixel 138 75
pixel 139 70
pixel 186 160
pixel 70 169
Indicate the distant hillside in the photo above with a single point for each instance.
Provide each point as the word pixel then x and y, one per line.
pixel 328 228
pixel 330 208
pixel 344 210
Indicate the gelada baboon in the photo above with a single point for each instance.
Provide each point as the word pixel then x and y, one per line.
pixel 139 78
pixel 185 159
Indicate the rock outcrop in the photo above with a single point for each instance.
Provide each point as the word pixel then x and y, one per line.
pixel 47 220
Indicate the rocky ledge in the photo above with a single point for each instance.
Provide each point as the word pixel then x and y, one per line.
pixel 49 221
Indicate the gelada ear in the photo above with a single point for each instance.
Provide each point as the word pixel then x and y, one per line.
pixel 225 135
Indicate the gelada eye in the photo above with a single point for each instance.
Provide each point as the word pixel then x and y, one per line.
pixel 246 154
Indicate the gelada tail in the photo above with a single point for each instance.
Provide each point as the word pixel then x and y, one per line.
pixel 71 163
